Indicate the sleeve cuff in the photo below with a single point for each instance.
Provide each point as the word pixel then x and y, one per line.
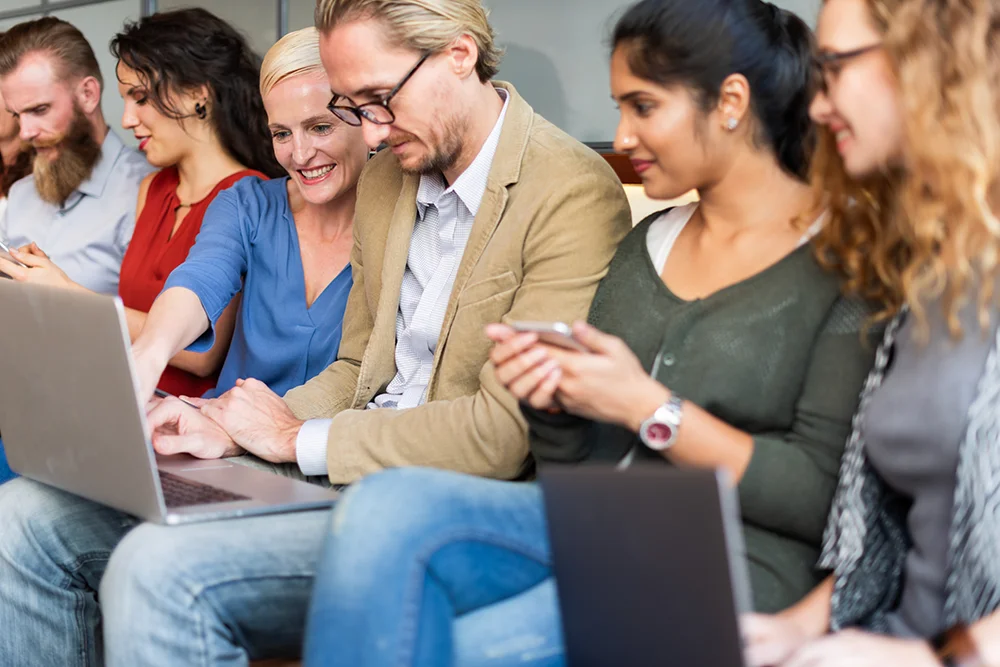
pixel 310 447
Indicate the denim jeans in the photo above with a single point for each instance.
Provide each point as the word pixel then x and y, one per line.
pixel 432 568
pixel 213 593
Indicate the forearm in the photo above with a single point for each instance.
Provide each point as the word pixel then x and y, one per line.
pixel 703 440
pixel 176 320
pixel 812 613
pixel 202 364
pixel 985 635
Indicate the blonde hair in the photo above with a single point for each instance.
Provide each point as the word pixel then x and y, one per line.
pixel 930 229
pixel 295 53
pixel 427 26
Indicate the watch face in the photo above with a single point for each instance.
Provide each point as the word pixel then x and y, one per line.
pixel 659 433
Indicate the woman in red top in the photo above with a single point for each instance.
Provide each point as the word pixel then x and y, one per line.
pixel 189 81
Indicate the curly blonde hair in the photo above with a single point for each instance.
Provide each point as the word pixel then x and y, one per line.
pixel 928 230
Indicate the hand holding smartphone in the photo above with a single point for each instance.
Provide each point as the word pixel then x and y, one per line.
pixel 5 253
pixel 552 333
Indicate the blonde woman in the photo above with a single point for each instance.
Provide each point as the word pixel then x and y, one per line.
pixel 285 242
pixel 911 165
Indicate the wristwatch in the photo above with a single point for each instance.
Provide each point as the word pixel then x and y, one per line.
pixel 659 432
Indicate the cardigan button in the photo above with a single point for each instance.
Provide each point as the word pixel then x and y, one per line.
pixel 669 360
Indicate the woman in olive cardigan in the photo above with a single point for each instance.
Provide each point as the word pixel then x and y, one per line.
pixel 717 311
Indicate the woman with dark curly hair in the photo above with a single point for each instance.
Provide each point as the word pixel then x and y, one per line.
pixel 190 85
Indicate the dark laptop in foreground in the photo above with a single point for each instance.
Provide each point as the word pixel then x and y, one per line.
pixel 649 566
pixel 71 418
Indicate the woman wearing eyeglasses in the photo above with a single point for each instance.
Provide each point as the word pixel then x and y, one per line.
pixel 910 162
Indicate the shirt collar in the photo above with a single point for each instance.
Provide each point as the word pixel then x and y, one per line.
pixel 470 186
pixel 94 186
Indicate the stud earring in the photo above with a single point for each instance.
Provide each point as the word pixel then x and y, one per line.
pixel 731 124
pixel 200 110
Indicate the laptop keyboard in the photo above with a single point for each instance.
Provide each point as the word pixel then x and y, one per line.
pixel 181 492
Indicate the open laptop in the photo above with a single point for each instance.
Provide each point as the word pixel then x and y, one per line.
pixel 649 566
pixel 70 417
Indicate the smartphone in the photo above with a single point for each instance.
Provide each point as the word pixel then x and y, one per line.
pixel 553 333
pixel 163 394
pixel 5 253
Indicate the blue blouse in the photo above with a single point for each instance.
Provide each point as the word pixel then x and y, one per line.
pixel 248 240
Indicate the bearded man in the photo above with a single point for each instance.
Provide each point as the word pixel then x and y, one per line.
pixel 79 204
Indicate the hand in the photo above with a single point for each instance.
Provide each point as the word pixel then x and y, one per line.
pixel 854 648
pixel 770 640
pixel 40 270
pixel 180 429
pixel 524 367
pixel 607 384
pixel 257 419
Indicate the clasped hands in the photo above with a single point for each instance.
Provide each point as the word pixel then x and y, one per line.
pixel 247 418
pixel 607 383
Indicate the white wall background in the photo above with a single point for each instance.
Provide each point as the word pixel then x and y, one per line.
pixel 98 23
pixel 557 57
pixel 556 53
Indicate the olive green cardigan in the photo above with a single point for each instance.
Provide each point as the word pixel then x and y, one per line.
pixel 779 356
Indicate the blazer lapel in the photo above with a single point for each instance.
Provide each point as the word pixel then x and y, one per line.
pixel 504 171
pixel 397 248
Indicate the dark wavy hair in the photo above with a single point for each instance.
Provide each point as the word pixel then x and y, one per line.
pixel 698 43
pixel 180 50
pixel 11 174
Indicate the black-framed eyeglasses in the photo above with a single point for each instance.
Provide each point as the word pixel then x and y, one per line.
pixel 828 63
pixel 377 112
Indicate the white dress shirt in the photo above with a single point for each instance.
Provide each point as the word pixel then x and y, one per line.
pixel 444 220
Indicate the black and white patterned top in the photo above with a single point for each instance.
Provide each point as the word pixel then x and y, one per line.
pixel 866 540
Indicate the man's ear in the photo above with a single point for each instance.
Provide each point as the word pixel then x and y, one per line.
pixel 88 94
pixel 462 55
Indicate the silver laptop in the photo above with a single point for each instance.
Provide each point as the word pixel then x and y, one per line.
pixel 649 565
pixel 70 417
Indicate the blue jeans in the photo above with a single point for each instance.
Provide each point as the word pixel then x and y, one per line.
pixel 213 593
pixel 432 568
pixel 5 472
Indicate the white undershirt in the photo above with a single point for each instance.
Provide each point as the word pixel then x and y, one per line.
pixel 663 232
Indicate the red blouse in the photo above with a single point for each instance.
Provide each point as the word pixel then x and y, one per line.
pixel 154 253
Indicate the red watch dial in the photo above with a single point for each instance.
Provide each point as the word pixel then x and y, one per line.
pixel 659 432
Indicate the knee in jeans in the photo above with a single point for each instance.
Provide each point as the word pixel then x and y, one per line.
pixel 147 564
pixel 392 502
pixel 29 513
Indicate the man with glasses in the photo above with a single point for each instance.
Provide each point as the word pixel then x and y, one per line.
pixel 478 211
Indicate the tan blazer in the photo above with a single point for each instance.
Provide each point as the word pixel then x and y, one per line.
pixel 548 225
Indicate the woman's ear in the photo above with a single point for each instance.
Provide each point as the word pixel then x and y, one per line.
pixel 734 102
pixel 197 97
